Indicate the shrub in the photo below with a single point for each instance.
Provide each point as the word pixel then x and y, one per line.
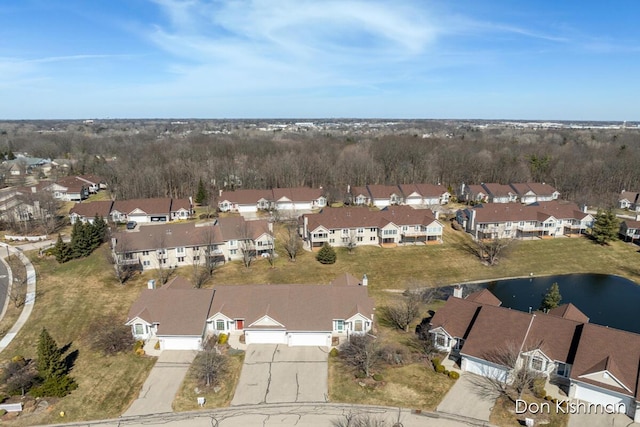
pixel 55 387
pixel 377 377
pixel 140 352
pixel 361 375
pixel 334 352
pixel 223 338
pixel 435 361
pixel 538 388
pixel 2 412
pixel 138 346
pixel 19 359
pixel 326 255
pixel 157 345
pixel 454 375
pixel 109 336
pixel 446 372
pixel 440 369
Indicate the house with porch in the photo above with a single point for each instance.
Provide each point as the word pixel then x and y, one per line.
pixel 537 220
pixel 499 193
pixel 473 193
pixel 86 212
pixel 244 201
pixel 95 183
pixel 382 196
pixel 359 226
pixel 630 229
pixel 562 345
pixel 298 199
pixel 424 194
pixel 142 210
pixel 359 196
pixel 68 189
pixel 173 245
pixel 531 192
pixel 629 200
pixel 181 317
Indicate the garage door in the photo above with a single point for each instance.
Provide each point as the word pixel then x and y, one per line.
pixel 247 208
pixel 265 337
pixel 180 343
pixel 593 394
pixel 479 368
pixel 309 339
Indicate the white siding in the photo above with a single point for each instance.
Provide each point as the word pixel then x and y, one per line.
pixel 180 343
pixel 247 208
pixel 319 339
pixel 265 337
pixel 484 369
pixel 593 394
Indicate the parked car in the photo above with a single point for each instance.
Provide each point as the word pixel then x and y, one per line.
pixel 131 225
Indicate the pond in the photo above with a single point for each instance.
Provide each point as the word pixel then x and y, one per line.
pixel 607 300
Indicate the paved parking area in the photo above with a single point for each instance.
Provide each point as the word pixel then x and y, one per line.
pixel 469 397
pixel 280 374
pixel 162 384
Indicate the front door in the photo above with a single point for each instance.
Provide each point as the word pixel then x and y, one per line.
pixel 239 325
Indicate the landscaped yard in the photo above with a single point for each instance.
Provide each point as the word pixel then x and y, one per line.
pixel 69 298
pixel 72 295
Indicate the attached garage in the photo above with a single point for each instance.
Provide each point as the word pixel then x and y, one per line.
pixel 247 208
pixel 483 368
pixel 594 394
pixel 180 343
pixel 316 339
pixel 265 337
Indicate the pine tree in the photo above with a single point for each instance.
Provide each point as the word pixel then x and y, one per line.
pixel 52 369
pixel 552 298
pixel 62 251
pixel 201 195
pixel 98 231
pixel 80 240
pixel 605 227
pixel 326 255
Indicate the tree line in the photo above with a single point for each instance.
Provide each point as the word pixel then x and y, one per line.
pixel 586 165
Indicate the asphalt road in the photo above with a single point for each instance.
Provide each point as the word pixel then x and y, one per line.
pixel 4 284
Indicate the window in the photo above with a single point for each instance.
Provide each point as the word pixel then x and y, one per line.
pixel 146 263
pixel 357 326
pixel 233 243
pixel 405 228
pixel 389 232
pixel 373 230
pixel 538 363
pixel 164 261
pixel 180 250
pixel 145 253
pixel 139 329
pixel 332 240
pixel 562 369
pixel 345 231
pixel 233 251
pixel 339 326
pixel 219 325
pixel 359 238
pixel 180 259
pixel 345 240
pixel 372 238
pixel 196 248
pixel 441 340
pixel 196 257
pixel 360 230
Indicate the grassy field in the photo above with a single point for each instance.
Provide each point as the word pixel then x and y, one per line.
pixel 186 396
pixel 69 298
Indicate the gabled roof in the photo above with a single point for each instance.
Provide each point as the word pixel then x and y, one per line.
pixel 360 191
pixel 237 228
pixel 177 204
pixel 177 311
pixel 148 206
pixel 498 190
pixel 539 189
pixel 101 208
pixel 569 311
pixel 484 296
pixel 346 279
pixel 297 194
pixel 73 184
pixel 476 190
pixel 631 224
pixel 159 236
pixel 360 217
pixel 540 211
pixel 422 190
pixel 608 349
pixel 245 197
pixel 91 179
pixel 296 307
pixel 630 196
pixel 383 191
pixel 456 316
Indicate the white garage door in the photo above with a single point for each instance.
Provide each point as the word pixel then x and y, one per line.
pixel 309 339
pixel 593 394
pixel 247 208
pixel 265 337
pixel 180 343
pixel 485 370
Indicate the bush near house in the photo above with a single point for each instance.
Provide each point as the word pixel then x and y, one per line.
pixel 326 255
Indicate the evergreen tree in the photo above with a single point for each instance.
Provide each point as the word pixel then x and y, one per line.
pixel 80 240
pixel 62 251
pixel 52 369
pixel 326 255
pixel 605 227
pixel 552 298
pixel 201 195
pixel 98 231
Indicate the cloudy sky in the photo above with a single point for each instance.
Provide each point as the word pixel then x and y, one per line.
pixel 489 59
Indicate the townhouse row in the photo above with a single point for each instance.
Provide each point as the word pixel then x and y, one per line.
pixel 173 245
pixel 135 210
pixel 524 192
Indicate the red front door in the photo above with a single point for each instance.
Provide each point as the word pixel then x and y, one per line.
pixel 239 325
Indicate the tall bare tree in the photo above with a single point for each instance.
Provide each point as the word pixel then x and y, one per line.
pixel 291 240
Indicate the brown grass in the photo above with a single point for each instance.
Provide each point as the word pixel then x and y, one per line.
pixel 503 414
pixel 414 385
pixel 69 298
pixel 186 397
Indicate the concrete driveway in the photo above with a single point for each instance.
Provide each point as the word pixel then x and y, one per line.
pixel 599 420
pixel 280 374
pixel 162 384
pixel 469 397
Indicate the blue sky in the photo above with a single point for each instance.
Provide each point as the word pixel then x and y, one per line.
pixel 562 60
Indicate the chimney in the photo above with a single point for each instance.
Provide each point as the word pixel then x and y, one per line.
pixel 220 193
pixel 365 280
pixel 457 291
pixel 33 189
pixel 270 226
pixel 584 208
pixel 190 201
pixel 348 189
pixel 638 217
pixel 151 284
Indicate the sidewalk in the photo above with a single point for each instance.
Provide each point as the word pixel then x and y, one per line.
pixel 29 301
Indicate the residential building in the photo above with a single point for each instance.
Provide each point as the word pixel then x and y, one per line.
pixel 185 244
pixel 561 345
pixel 531 192
pixel 382 196
pixel 182 318
pixel 629 200
pixel 424 194
pixel 359 226
pixel 630 229
pixel 68 189
pixel 526 193
pixel 499 193
pixel 86 212
pixel 359 196
pixel 537 220
pixel 245 201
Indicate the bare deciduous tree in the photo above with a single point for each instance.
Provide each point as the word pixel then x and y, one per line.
pixel 209 366
pixel 291 241
pixel 491 250
pixel 363 352
pixel 403 312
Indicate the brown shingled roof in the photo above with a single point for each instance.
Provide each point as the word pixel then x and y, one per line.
pixel 101 208
pixel 569 311
pixel 502 212
pixel 297 194
pixel 246 197
pixel 378 191
pixel 484 296
pixel 149 206
pixel 456 316
pixel 354 217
